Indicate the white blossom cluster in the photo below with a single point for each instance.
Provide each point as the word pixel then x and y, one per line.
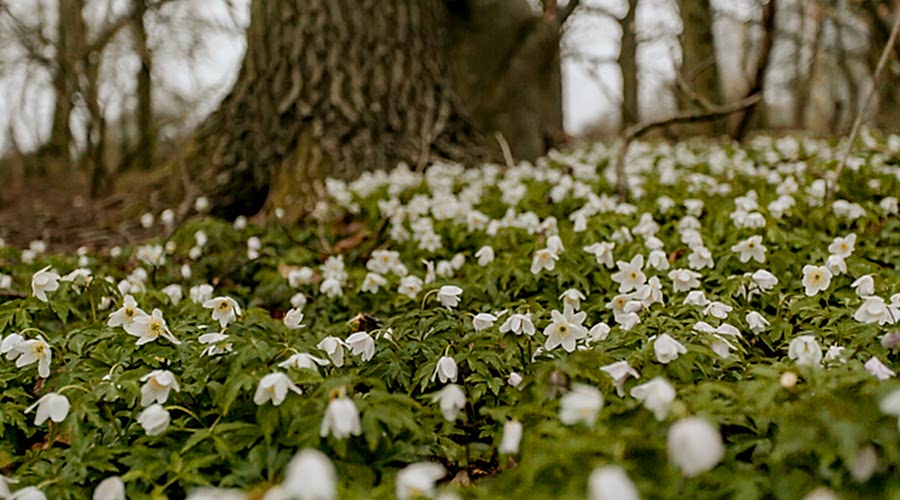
pixel 653 271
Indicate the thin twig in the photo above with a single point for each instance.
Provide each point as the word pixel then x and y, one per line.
pixel 713 113
pixel 504 146
pixel 683 87
pixel 857 122
pixel 602 11
pixel 635 131
pixel 563 13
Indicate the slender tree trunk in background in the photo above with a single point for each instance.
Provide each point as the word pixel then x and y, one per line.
pixel 506 72
pixel 762 65
pixel 94 159
pixel 146 127
pixel 803 89
pixel 338 87
pixel 698 59
pixel 630 111
pixel 69 38
pixel 85 65
pixel 799 79
pixel 843 121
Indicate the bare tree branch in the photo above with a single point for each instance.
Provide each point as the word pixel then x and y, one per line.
pixel 563 13
pixel 637 130
pixel 31 39
pixel 681 84
pixel 605 89
pixel 602 11
pixel 713 113
pixel 588 59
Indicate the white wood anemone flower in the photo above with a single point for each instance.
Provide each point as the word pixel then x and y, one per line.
pixel 53 406
pixel 152 327
pixel 445 369
pixel 361 344
pixel 302 360
pixel 225 310
pixel 611 483
pixel 448 296
pixel 418 479
pixel 157 385
pixel 341 419
pixel 44 281
pixel 581 404
pixel 310 475
pixel 695 446
pixel 154 419
pixel 451 399
pixel 512 436
pixel 111 488
pixel 566 329
pixel 35 350
pixel 274 387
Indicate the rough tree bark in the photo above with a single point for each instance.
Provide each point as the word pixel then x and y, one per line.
pixel 336 87
pixel 628 65
pixel 698 58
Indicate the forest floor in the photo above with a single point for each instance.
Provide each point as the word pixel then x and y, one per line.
pixel 42 209
pixel 58 210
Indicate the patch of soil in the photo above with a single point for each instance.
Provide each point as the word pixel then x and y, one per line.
pixel 58 210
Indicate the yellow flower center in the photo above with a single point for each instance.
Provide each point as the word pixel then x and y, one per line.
pixel 129 312
pixel 223 306
pixel 563 330
pixel 156 327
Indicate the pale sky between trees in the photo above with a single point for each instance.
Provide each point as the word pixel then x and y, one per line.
pixel 192 88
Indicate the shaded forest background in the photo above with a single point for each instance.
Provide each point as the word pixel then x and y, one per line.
pixel 100 92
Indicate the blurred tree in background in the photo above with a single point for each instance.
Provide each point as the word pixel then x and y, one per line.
pixel 103 88
pixel 340 87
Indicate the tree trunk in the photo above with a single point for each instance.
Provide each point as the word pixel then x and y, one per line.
pixel 146 127
pixel 804 88
pixel 69 35
pixel 337 87
pixel 94 159
pixel 810 18
pixel 769 11
pixel 698 58
pixel 630 112
pixel 506 71
pixel 844 120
